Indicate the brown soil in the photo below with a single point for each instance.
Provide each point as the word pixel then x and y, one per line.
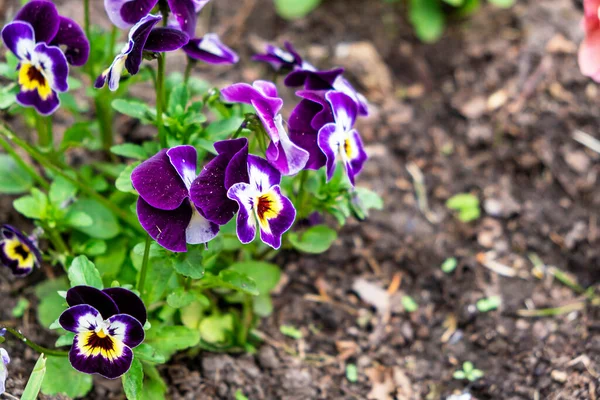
pixel 490 109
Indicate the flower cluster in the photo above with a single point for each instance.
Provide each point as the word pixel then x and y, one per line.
pixel 145 37
pixel 34 38
pixel 18 252
pixel 107 324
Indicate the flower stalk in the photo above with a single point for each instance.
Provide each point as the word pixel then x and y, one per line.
pixel 160 99
pixel 19 160
pixel 35 346
pixel 144 269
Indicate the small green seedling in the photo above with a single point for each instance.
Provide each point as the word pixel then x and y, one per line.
pixel 489 304
pixel 468 372
pixel 291 331
pixel 467 206
pixel 352 373
pixel 409 304
pixel 239 395
pixel 449 265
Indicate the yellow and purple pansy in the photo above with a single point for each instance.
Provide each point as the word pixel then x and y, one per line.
pixel 260 199
pixel 18 252
pixel 34 38
pixel 143 36
pixel 107 324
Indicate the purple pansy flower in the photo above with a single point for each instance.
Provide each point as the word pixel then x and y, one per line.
pixel 209 191
pixel 126 13
pixel 339 137
pixel 18 252
pixel 305 74
pixel 143 36
pixel 34 38
pixel 260 199
pixel 107 325
pixel 4 360
pixel 286 156
pixel 164 209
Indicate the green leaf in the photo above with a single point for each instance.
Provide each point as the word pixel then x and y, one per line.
pixel 51 304
pixel 20 308
pixel 13 178
pixel 83 272
pixel 352 373
pixel 65 340
pixel 76 135
pixel 221 129
pixel 427 18
pixel 135 109
pixel 467 206
pixel 489 304
pixel 467 366
pixel 459 375
pixel 133 381
pixel 147 353
pixel 154 386
pixel 109 264
pixel 365 200
pixel 454 3
pixel 78 219
pixel 316 239
pixel 291 331
pixel 266 275
pixel 130 150
pixel 61 191
pixel 409 304
pixel 217 329
pixel 178 100
pixel 235 280
pixel 180 298
pixel 239 395
pixel 449 265
pixel 34 206
pixel 294 9
pixel 191 266
pixel 262 305
pixel 475 374
pixel 123 182
pixel 8 96
pixel 61 377
pixel 503 3
pixel 105 224
pixel 167 340
pixel 34 384
pixel 160 272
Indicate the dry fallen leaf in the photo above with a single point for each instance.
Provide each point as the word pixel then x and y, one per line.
pixel 382 383
pixel 372 294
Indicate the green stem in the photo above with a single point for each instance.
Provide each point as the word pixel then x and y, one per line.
pixel 19 160
pixel 57 240
pixel 144 270
pixel 43 126
pixel 35 346
pixel 246 319
pixel 104 111
pixel 88 34
pixel 301 193
pixel 188 69
pixel 160 97
pixel 85 188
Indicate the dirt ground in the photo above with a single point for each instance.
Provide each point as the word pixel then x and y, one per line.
pixel 491 109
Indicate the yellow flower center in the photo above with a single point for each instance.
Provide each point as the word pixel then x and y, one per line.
pixel 31 78
pixel 15 250
pixel 267 206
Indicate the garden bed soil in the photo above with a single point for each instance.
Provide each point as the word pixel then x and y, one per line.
pixel 490 109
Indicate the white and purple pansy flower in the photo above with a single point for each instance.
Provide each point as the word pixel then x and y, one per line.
pixel 126 13
pixel 260 199
pixel 340 139
pixel 18 252
pixel 107 324
pixel 143 36
pixel 287 157
pixel 4 361
pixel 34 38
pixel 164 208
pixel 281 59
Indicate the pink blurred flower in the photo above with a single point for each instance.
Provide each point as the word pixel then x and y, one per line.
pixel 589 51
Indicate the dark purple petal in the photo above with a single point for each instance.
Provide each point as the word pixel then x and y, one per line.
pixel 313 80
pixel 93 297
pixel 42 106
pixel 209 191
pixel 272 228
pixel 262 175
pixel 329 146
pixel 279 58
pixel 54 64
pixel 19 38
pixel 125 13
pixel 165 39
pixel 158 183
pixel 80 318
pixel 344 110
pixel 287 157
pixel 98 364
pixel 308 142
pixel 356 155
pixel 211 50
pixel 128 303
pixel 321 112
pixel 200 230
pixel 185 13
pixel 342 85
pixel 138 35
pixel 244 194
pixel 72 36
pixel 168 228
pixel 126 329
pixel 43 17
pixel 183 159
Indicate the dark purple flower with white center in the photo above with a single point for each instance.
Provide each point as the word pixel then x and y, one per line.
pixel 18 252
pixel 340 139
pixel 260 199
pixel 107 325
pixel 281 59
pixel 287 157
pixel 126 13
pixel 164 208
pixel 209 191
pixel 4 360
pixel 143 36
pixel 210 49
pixel 34 38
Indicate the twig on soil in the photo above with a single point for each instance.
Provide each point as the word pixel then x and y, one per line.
pixel 421 192
pixel 553 312
pixel 487 260
pixel 319 299
pixel 587 140
pixel 586 362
